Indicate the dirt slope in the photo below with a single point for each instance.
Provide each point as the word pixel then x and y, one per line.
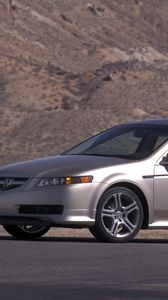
pixel 72 68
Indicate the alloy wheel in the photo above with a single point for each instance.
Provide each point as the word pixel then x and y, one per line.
pixel 120 214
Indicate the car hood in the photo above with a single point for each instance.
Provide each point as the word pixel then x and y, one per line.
pixel 61 165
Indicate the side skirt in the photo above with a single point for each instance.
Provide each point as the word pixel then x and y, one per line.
pixel 159 225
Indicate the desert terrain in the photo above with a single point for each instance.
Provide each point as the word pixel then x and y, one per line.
pixel 71 68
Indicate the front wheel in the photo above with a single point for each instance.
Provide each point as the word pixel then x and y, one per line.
pixel 26 231
pixel 119 216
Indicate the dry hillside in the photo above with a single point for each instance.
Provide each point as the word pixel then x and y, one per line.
pixel 70 68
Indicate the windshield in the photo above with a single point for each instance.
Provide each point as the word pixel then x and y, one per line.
pixel 125 141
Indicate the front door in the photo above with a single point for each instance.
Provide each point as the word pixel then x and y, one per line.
pixel 161 190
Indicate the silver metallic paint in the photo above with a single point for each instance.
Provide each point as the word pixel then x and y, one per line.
pixel 80 200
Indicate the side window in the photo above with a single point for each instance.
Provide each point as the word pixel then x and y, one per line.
pixel 160 141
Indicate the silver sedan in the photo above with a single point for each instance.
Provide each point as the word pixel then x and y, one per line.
pixel 114 183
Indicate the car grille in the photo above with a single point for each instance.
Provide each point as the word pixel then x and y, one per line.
pixel 41 209
pixel 9 183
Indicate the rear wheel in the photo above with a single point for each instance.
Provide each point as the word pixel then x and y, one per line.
pixel 26 231
pixel 119 216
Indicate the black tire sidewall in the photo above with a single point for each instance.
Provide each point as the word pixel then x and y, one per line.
pixel 17 232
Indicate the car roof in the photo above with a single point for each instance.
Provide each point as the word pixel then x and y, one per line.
pixel 161 121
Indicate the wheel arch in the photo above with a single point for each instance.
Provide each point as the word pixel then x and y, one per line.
pixel 141 196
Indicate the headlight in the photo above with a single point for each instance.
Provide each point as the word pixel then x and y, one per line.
pixel 52 181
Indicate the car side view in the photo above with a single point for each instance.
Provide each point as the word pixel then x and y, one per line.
pixel 114 183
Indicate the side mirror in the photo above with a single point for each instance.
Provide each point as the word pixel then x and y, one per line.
pixel 164 161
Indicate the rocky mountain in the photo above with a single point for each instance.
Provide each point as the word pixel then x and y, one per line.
pixel 70 68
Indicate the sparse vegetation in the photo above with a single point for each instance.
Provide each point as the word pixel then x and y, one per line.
pixel 72 68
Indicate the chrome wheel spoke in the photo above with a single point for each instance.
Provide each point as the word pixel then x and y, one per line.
pixel 115 227
pixel 107 212
pixel 118 204
pixel 130 208
pixel 128 225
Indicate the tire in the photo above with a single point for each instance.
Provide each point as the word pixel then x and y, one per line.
pixel 119 216
pixel 26 231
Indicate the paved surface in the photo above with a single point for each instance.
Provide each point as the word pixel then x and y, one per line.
pixel 81 268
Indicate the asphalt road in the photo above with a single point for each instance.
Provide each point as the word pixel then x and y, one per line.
pixel 81 268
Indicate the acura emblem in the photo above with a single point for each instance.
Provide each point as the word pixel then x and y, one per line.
pixel 6 182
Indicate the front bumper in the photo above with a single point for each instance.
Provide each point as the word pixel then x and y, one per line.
pixel 78 201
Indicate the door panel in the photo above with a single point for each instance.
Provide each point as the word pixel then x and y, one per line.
pixel 161 192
